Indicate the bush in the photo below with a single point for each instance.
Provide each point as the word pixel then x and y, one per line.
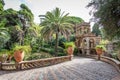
pixel 62 54
pixel 101 46
pixel 25 48
pixel 51 50
pixel 48 50
pixel 67 44
pixel 60 49
pixel 114 55
pixel 35 56
pixel 45 49
pixel 72 38
pixel 76 51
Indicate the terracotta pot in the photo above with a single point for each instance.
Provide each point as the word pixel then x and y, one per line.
pixel 70 50
pixel 99 52
pixel 19 55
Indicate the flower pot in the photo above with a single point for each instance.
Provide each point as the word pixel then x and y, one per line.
pixel 99 52
pixel 19 55
pixel 70 50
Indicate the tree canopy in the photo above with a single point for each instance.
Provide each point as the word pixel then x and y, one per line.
pixel 75 20
pixel 1 6
pixel 16 24
pixel 96 30
pixel 107 14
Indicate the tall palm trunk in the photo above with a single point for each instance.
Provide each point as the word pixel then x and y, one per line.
pixel 56 45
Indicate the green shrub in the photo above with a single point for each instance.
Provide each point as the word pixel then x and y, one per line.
pixel 75 51
pixel 60 49
pixel 101 46
pixel 40 55
pixel 114 55
pixel 48 50
pixel 47 45
pixel 3 51
pixel 52 51
pixel 45 49
pixel 62 54
pixel 67 44
pixel 62 40
pixel 25 48
pixel 72 38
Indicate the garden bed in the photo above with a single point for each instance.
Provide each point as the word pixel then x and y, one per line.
pixel 34 63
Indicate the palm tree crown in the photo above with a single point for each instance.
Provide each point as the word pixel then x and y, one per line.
pixel 56 23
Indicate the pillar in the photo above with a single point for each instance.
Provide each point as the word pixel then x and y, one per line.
pixel 88 49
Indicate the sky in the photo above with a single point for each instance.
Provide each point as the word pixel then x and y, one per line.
pixel 40 7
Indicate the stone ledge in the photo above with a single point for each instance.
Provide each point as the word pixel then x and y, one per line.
pixel 111 61
pixel 34 63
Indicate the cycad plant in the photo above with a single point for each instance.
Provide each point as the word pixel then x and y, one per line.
pixel 56 23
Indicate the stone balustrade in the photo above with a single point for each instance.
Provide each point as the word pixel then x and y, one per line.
pixel 111 61
pixel 34 63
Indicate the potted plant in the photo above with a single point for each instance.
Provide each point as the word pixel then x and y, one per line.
pixel 69 47
pixel 19 52
pixel 10 55
pixel 3 55
pixel 99 49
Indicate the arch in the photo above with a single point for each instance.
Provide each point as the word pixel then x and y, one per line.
pixel 91 43
pixel 83 43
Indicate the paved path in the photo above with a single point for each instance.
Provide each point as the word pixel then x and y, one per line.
pixel 77 69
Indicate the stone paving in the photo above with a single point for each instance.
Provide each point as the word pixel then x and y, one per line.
pixel 77 69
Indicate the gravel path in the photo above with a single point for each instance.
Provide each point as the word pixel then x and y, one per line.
pixel 77 69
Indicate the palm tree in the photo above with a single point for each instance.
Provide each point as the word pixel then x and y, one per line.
pixel 56 23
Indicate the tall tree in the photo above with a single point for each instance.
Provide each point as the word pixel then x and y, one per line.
pixel 75 20
pixel 1 12
pixel 26 18
pixel 17 22
pixel 107 13
pixel 11 17
pixel 96 30
pixel 1 6
pixel 56 22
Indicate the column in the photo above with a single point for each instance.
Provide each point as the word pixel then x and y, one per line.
pixel 88 49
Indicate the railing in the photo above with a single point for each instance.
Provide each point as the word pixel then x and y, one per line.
pixel 111 61
pixel 34 63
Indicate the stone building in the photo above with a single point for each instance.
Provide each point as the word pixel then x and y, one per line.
pixel 85 39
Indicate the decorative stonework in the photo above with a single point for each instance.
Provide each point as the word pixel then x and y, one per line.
pixel 85 39
pixel 34 63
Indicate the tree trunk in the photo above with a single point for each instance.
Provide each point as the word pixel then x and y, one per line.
pixel 56 44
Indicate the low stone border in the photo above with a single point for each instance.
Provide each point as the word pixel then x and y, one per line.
pixel 34 63
pixel 111 61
